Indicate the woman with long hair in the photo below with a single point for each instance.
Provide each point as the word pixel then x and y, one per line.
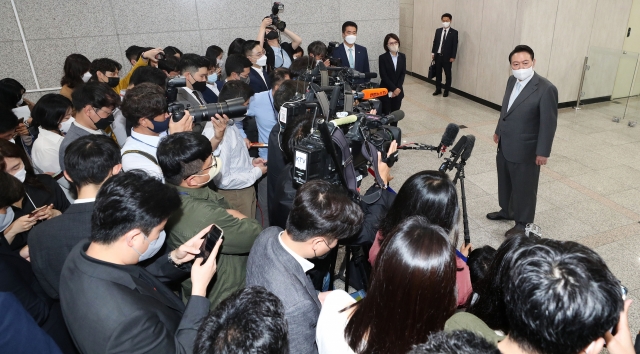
pixel 76 72
pixel 412 294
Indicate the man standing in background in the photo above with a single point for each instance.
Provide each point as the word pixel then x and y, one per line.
pixel 445 47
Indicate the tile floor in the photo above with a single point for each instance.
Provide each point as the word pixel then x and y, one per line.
pixel 589 192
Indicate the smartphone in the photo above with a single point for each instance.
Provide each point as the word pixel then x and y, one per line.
pixel 33 213
pixel 210 240
pixel 57 175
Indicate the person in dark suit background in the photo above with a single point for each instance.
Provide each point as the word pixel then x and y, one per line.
pixel 524 135
pixel 445 47
pixel 258 78
pixel 393 67
pixel 352 55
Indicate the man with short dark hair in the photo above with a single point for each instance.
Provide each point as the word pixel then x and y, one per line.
pixel 352 55
pixel 317 50
pixel 107 70
pixel 111 304
pixel 443 52
pixel 133 54
pixel 188 164
pixel 258 78
pixel 89 162
pixel 251 320
pixel 148 74
pixel 194 69
pixel 8 124
pixel 169 65
pixel 561 298
pixel 322 214
pixel 455 342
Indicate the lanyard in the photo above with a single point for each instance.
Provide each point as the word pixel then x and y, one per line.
pixel 275 114
pixel 136 139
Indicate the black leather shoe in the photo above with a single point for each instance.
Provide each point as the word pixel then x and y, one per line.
pixel 515 231
pixel 445 94
pixel 437 93
pixel 497 216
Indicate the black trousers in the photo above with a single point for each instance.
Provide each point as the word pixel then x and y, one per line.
pixel 389 104
pixel 517 188
pixel 442 63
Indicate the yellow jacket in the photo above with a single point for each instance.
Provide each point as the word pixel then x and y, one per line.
pixel 124 82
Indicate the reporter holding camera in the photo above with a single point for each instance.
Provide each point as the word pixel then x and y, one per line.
pixel 279 55
pixel 393 68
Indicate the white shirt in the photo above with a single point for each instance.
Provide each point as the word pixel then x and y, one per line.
pixel 516 92
pixel 442 35
pixel 46 150
pixel 237 171
pixel 195 95
pixel 91 131
pixel 261 73
pixel 146 143
pixel 394 58
pixel 84 200
pixel 331 324
pixel 305 264
pixel 214 88
pixel 119 127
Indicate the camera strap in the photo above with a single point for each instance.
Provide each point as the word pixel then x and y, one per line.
pixel 344 160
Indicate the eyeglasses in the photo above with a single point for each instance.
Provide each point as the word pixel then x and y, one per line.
pixel 263 52
pixel 214 163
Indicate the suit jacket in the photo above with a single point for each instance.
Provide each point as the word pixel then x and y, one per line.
pixel 362 59
pixel 527 129
pixel 450 45
pixel 111 308
pixel 256 82
pixel 51 242
pixel 185 96
pixel 272 267
pixel 72 135
pixel 392 77
pixel 209 96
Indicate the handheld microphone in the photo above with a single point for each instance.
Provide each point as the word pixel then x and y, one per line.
pixel 471 141
pixel 449 136
pixel 455 154
pixel 395 116
pixel 368 94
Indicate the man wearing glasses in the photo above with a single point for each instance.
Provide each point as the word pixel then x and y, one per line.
pixel 258 78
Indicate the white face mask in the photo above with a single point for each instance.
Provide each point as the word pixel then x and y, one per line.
pixel 523 74
pixel 6 219
pixel 86 76
pixel 213 171
pixel 21 175
pixel 446 24
pixel 65 126
pixel 154 247
pixel 262 61
pixel 350 39
pixel 393 48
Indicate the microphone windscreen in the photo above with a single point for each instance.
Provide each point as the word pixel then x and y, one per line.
pixel 397 116
pixel 346 120
pixel 459 145
pixel 370 75
pixel 373 93
pixel 471 141
pixel 450 134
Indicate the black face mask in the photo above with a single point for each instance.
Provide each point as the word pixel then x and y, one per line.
pixel 199 85
pixel 103 123
pixel 272 35
pixel 113 81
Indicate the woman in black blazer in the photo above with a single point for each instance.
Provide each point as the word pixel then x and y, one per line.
pixel 393 67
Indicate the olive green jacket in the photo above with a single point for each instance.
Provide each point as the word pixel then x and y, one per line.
pixel 200 208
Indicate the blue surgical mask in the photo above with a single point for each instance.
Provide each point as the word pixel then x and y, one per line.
pixel 154 247
pixel 212 78
pixel 6 219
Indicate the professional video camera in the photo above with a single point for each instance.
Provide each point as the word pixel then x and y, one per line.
pixel 333 61
pixel 172 88
pixel 275 9
pixel 233 108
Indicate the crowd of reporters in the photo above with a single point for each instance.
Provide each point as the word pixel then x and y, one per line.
pixel 107 194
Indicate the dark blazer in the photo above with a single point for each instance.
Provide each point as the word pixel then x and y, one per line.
pixel 209 96
pixel 272 267
pixel 450 45
pixel 287 49
pixel 362 57
pixel 527 129
pixel 256 82
pixel 51 241
pixel 126 309
pixel 392 77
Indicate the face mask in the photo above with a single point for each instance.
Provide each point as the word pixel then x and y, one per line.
pixel 262 61
pixel 21 175
pixel 103 123
pixel 199 85
pixel 272 35
pixel 154 247
pixel 113 81
pixel 523 74
pixel 6 219
pixel 20 102
pixel 213 171
pixel 65 126
pixel 159 127
pixel 212 78
pixel 350 39
pixel 246 80
pixel 86 77
pixel 446 24
pixel 393 48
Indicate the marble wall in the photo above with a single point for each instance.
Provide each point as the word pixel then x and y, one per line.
pixel 105 28
pixel 559 31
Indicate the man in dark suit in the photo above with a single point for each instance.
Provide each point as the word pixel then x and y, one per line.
pixel 321 215
pixel 524 135
pixel 51 241
pixel 393 67
pixel 444 50
pixel 258 77
pixel 111 304
pixel 194 68
pixel 352 55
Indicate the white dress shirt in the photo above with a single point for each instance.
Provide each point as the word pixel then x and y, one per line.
pixel 442 35
pixel 119 127
pixel 146 143
pixel 198 96
pixel 237 170
pixel 84 200
pixel 46 150
pixel 517 88
pixel 331 324
pixel 394 58
pixel 305 264
pixel 91 131
pixel 261 73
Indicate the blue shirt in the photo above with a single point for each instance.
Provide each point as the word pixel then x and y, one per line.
pixel 261 107
pixel 281 58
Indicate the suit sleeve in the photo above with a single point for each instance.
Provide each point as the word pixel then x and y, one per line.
pixel 454 51
pixel 403 72
pixel 436 41
pixel 366 68
pixel 385 80
pixel 548 121
pixel 300 330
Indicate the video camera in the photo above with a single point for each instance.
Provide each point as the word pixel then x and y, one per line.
pixel 333 61
pixel 275 20
pixel 233 108
pixel 172 88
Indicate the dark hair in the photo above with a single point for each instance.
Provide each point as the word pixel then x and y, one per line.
pixel 133 52
pixel 235 89
pixel 75 66
pixel 8 119
pixel 248 46
pixel 148 74
pixel 412 291
pixel 299 50
pixel 489 305
pixel 12 189
pixel 236 47
pixel 146 100
pixel 172 51
pixel 295 130
pixel 427 193
pixel 90 159
pixel 168 64
pixel 479 261
pixel 455 342
pixel 131 200
pixel 192 63
pixel 11 92
pixel 49 111
pixel 8 149
pixel 213 51
pixel 559 297
pixel 251 320
pixel 181 155
pixel 519 49
pixel 323 209
pixel 279 75
pixel 286 91
pixel 349 24
pixel 103 65
pixel 317 48
pixel 386 40
pixel 96 94
pixel 236 64
pixel 301 65
pixel 446 14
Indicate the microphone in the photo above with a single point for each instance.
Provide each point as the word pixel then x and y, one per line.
pixel 455 154
pixel 358 75
pixel 471 141
pixel 345 120
pixel 368 94
pixel 449 136
pixel 396 116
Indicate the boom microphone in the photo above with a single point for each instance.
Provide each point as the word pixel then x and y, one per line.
pixel 471 141
pixel 455 154
pixel 449 136
pixel 358 75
